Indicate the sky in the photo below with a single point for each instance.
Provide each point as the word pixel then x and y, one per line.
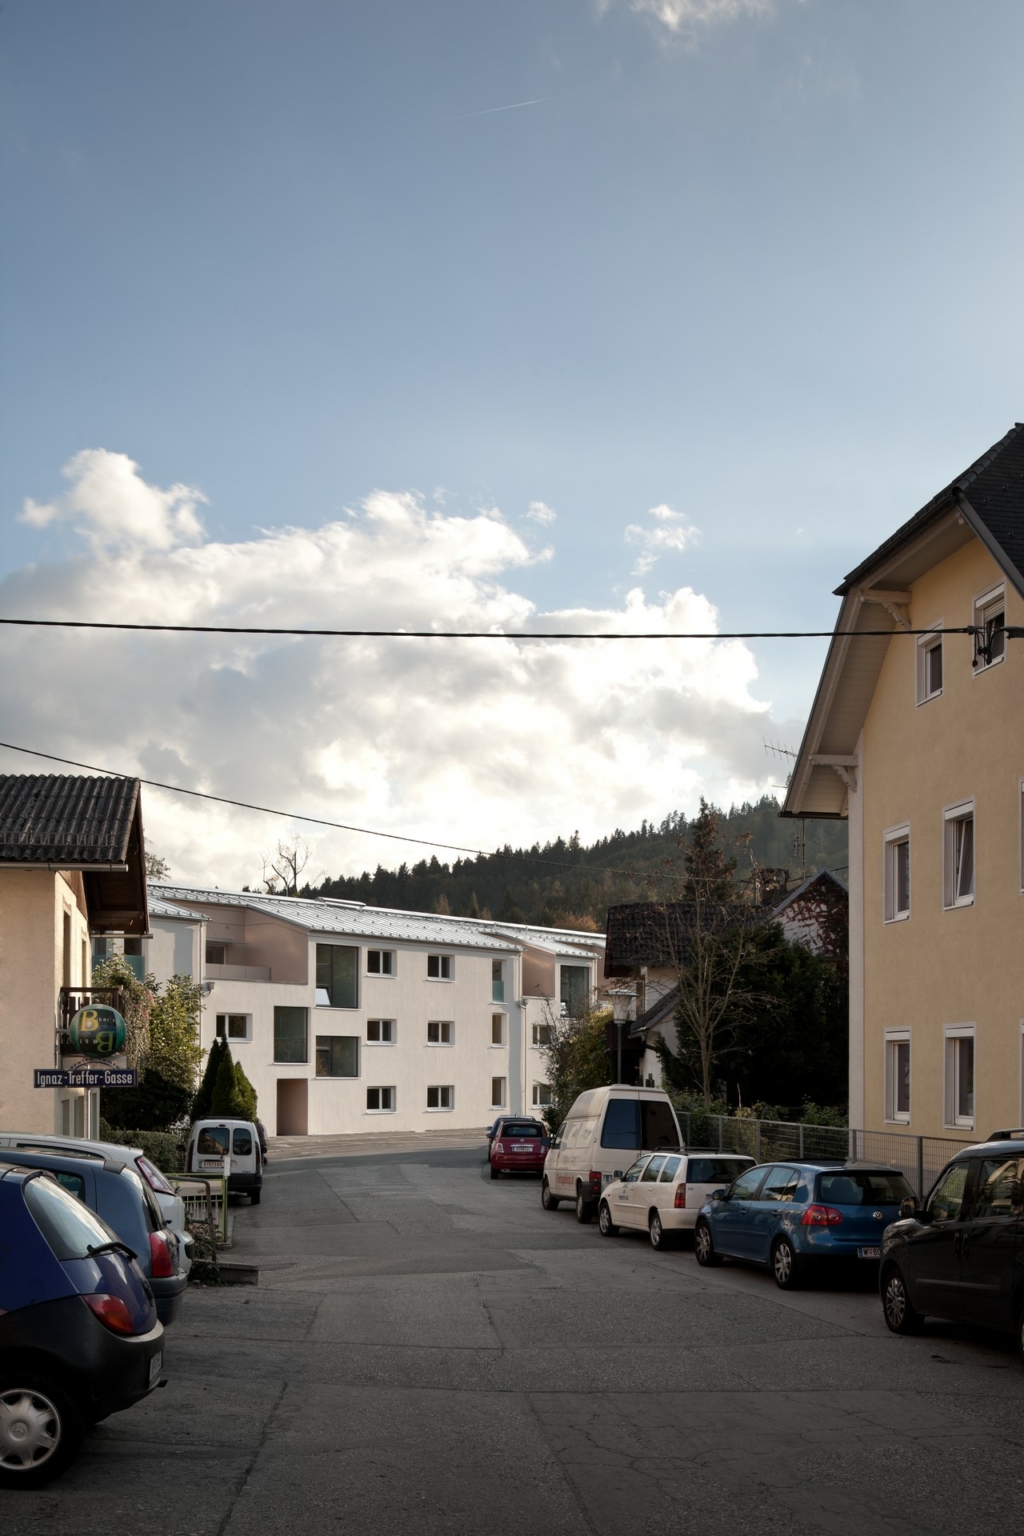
pixel 639 314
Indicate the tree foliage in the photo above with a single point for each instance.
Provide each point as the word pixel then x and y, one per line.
pixel 202 1104
pixel 577 1058
pixel 232 1095
pixel 137 998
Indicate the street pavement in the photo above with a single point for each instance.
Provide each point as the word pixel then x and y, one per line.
pixel 429 1352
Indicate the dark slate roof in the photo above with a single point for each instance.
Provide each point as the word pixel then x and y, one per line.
pixel 50 818
pixel 990 494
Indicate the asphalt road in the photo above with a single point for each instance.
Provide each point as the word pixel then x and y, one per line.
pixel 430 1352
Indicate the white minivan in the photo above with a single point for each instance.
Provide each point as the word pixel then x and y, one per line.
pixel 602 1135
pixel 211 1141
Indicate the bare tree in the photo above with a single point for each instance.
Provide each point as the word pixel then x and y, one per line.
pixel 156 867
pixel 285 865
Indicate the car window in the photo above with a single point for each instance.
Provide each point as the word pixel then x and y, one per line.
pixel 650 1173
pixel 556 1140
pixel 524 1130
pixel 213 1140
pixel 241 1143
pixel 997 1189
pixel 745 1187
pixel 714 1170
pixel 670 1169
pixel 780 1184
pixel 854 1186
pixel 69 1227
pixel 632 1174
pixel 657 1125
pixel 73 1183
pixel 948 1195
pixel 622 1125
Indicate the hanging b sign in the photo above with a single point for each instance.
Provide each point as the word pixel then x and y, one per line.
pixel 98 1031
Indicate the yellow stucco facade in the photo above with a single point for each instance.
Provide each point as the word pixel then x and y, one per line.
pixel 938 966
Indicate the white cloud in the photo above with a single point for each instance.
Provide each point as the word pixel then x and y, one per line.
pixel 111 505
pixel 537 512
pixel 680 18
pixel 671 533
pixel 478 742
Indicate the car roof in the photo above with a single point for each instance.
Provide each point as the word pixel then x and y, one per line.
pixel 115 1151
pixel 1005 1146
pixel 830 1165
pixel 31 1157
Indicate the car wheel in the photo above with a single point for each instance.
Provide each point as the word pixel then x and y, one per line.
pixel 549 1201
pixel 901 1316
pixel 660 1239
pixel 785 1271
pixel 584 1209
pixel 254 1196
pixel 704 1246
pixel 604 1220
pixel 40 1430
pixel 495 1172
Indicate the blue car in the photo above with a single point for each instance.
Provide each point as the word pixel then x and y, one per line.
pixel 792 1216
pixel 79 1334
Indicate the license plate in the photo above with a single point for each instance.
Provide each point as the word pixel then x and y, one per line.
pixel 212 1162
pixel 527 1148
pixel 155 1367
pixel 869 1253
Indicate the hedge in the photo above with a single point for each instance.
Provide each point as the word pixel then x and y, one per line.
pixel 161 1147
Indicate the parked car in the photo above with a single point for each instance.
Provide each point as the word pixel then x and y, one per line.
pixel 960 1253
pixel 210 1141
pixel 128 1206
pixel 794 1216
pixel 586 1151
pixel 518 1146
pixel 130 1157
pixel 79 1334
pixel 663 1191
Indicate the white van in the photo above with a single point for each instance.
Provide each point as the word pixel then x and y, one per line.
pixel 603 1134
pixel 211 1141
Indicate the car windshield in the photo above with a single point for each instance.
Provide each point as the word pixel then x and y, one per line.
pixel 213 1140
pixel 525 1128
pixel 714 1170
pixel 69 1227
pixel 854 1186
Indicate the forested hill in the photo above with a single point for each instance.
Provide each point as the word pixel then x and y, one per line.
pixel 507 885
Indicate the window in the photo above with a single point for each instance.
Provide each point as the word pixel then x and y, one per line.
pixel 542 1095
pixel 290 1026
pixel 100 949
pixel 497 1092
pixel 337 967
pixel 745 1187
pixel 671 1168
pixel 441 1098
pixel 497 1029
pixel 929 667
pixel 337 1055
pixel 998 1188
pixel 650 1173
pixel 960 1076
pixel 233 1026
pixel 897 874
pixel 216 954
pixel 990 635
pixel 542 1034
pixel 497 981
pixel 958 860
pixel 897 1076
pixel 780 1185
pixel 241 1143
pixel 69 1227
pixel 380 962
pixel 380 1031
pixel 574 993
pixel 948 1195
pixel 439 967
pixel 380 1101
pixel 440 1032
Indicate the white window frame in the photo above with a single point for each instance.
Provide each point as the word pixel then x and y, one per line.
pixel 951 1085
pixel 499 1100
pixel 951 815
pixel 894 838
pixel 986 605
pixel 238 1039
pixel 925 644
pixel 443 962
pixel 539 1102
pixel 382 1109
pixel 382 975
pixel 536 1043
pixel 496 1018
pixel 443 1027
pixel 440 1089
pixel 392 1029
pixel 892 1039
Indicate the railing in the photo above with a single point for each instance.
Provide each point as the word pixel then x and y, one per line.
pixel 919 1158
pixel 237 972
pixel 205 1200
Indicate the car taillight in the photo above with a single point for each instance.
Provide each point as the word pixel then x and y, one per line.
pixel 111 1311
pixel 499 1146
pixel 153 1177
pixel 595 1181
pixel 680 1200
pixel 161 1260
pixel 821 1216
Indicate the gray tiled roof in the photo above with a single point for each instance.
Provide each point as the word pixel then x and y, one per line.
pixel 53 818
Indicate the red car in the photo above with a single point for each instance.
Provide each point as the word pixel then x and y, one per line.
pixel 518 1144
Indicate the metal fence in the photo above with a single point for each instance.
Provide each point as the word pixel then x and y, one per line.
pixel 919 1158
pixel 205 1200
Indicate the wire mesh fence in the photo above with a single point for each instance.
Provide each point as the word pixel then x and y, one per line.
pixel 919 1158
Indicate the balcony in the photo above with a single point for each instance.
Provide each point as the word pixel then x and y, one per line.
pixel 237 973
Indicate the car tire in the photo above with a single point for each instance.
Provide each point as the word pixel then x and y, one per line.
pixel 549 1201
pixel 495 1172
pixel 584 1209
pixel 901 1316
pixel 785 1268
pixel 704 1246
pixel 254 1196
pixel 38 1420
pixel 661 1240
pixel 604 1220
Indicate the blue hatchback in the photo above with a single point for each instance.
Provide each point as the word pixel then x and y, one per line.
pixel 789 1216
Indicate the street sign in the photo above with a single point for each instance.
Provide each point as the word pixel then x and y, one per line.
pixel 85 1077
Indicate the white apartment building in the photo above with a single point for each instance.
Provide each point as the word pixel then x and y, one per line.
pixel 354 1018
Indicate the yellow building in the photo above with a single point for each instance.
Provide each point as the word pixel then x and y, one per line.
pixel 916 737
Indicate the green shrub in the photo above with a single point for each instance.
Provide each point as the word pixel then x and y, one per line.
pixel 162 1148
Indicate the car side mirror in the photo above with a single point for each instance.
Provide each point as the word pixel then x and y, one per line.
pixel 908 1207
pixel 720 1194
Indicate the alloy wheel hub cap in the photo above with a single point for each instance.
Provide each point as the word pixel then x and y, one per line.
pixel 29 1430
